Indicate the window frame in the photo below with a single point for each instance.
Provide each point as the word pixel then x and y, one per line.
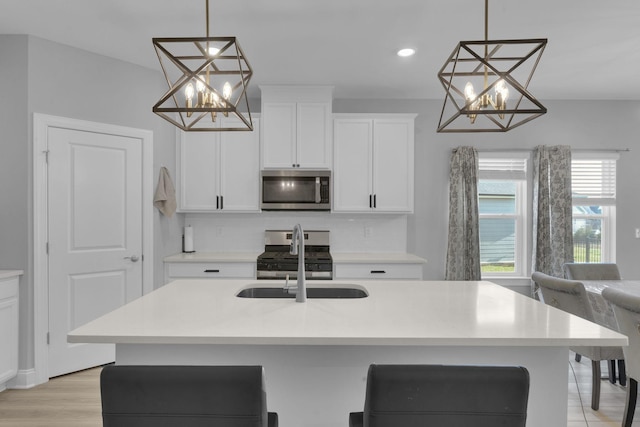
pixel 607 231
pixel 608 205
pixel 522 181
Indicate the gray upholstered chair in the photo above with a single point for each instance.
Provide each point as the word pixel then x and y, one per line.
pixel 440 395
pixel 591 271
pixel 185 396
pixel 626 308
pixel 571 296
pixel 597 271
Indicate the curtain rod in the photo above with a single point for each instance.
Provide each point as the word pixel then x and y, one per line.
pixel 502 150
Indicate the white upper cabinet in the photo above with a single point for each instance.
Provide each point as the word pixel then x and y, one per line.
pixel 352 165
pixel 296 127
pixel 219 171
pixel 373 163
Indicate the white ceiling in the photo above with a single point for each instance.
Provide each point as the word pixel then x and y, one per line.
pixel 593 50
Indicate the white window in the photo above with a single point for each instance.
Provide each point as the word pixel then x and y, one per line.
pixel 593 186
pixel 502 187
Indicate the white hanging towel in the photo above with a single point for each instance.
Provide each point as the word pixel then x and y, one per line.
pixel 165 197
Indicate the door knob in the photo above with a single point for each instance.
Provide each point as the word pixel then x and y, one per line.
pixel 133 258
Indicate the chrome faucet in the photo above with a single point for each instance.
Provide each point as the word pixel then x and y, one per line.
pixel 297 248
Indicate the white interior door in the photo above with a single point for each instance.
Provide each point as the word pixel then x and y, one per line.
pixel 95 237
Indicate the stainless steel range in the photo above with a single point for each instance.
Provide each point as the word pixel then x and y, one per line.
pixel 276 262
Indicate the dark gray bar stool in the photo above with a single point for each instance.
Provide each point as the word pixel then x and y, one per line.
pixel 441 395
pixel 185 396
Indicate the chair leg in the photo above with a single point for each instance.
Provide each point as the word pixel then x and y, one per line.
pixel 622 372
pixel 595 385
pixel 578 357
pixel 630 406
pixel 612 371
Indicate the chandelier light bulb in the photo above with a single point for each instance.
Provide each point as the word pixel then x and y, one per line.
pixel 188 92
pixel 502 90
pixel 199 85
pixel 213 51
pixel 469 92
pixel 226 91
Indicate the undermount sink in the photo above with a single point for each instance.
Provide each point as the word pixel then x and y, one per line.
pixel 329 292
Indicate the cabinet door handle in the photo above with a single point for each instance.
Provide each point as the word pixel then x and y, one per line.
pixel 375 204
pixel 221 202
pixel 217 202
pixel 212 271
pixel 378 272
pixel 370 201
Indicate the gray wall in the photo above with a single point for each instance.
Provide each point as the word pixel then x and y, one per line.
pixel 15 178
pixel 39 76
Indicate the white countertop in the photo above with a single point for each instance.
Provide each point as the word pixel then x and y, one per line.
pixel 345 257
pixel 7 274
pixel 423 313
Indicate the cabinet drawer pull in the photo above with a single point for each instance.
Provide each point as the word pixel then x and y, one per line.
pixel 212 271
pixel 378 272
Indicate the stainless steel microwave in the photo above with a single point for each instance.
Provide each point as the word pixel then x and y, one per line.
pixel 295 190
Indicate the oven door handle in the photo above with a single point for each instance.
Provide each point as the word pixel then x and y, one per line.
pixel 318 197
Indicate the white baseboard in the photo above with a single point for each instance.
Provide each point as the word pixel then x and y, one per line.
pixel 26 378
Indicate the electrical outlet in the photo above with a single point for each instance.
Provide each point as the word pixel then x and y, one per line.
pixel 367 232
pixel 637 233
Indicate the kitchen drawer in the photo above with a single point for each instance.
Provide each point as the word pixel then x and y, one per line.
pixel 378 271
pixel 211 270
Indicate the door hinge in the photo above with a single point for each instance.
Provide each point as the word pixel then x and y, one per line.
pixel 47 247
pixel 46 156
pixel 48 338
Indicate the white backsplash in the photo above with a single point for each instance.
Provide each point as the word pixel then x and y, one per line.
pixel 349 233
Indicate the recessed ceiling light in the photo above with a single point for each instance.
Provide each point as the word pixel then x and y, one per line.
pixel 406 52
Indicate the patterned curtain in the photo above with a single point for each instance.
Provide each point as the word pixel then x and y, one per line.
pixel 463 251
pixel 552 220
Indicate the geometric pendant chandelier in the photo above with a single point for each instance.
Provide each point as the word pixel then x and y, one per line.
pixel 486 84
pixel 208 79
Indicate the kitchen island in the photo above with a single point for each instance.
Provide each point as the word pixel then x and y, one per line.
pixel 316 354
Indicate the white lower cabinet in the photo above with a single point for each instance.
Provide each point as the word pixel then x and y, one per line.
pixel 382 271
pixel 209 270
pixel 8 329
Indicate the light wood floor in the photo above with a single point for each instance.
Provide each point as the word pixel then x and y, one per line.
pixel 68 401
pixel 74 400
